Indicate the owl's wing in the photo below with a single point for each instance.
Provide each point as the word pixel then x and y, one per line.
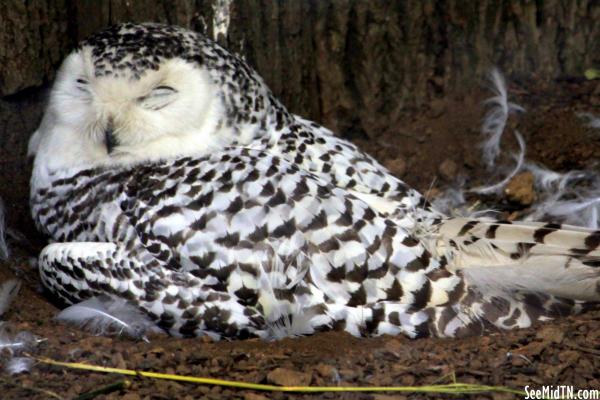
pixel 242 219
pixel 207 212
pixel 341 164
pixel 279 239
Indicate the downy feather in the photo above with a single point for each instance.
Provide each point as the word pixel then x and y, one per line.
pixel 104 315
pixel 571 198
pixel 22 341
pixel 495 119
pixel 592 120
pixel 284 319
pixel 4 252
pixel 548 180
pixel 520 157
pixel 8 292
pixel 18 365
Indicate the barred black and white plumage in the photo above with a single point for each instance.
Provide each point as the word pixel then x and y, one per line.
pixel 167 174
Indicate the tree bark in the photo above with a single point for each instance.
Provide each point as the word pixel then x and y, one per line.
pixel 354 65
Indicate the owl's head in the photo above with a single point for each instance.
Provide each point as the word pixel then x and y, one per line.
pixel 134 93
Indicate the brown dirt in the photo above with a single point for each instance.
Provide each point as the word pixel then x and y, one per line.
pixel 438 142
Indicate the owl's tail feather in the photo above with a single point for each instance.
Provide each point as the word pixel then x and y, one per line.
pixel 548 259
pixel 512 275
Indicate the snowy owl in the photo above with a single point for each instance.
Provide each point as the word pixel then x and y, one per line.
pixel 167 174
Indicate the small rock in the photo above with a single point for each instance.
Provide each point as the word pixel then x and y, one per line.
pixel 254 396
pixel 118 361
pixel 394 346
pixel 325 370
pixel 448 169
pixel 388 397
pixel 348 374
pixel 530 349
pixel 156 350
pixel 437 108
pixel 407 380
pixel 550 333
pixel 130 396
pixel 397 166
pixel 569 356
pixel 552 371
pixel 520 189
pixel 288 377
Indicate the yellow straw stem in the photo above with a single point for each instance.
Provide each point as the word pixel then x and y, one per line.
pixel 463 388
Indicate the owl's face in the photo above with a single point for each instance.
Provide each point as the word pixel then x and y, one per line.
pixel 144 92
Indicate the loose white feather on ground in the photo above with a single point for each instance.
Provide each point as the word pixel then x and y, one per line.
pixel 452 201
pixel 104 315
pixel 496 118
pixel 8 291
pixel 18 365
pixel 15 343
pixel 572 198
pixel 593 121
pixel 500 185
pixel 4 252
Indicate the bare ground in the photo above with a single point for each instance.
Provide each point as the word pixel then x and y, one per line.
pixel 440 142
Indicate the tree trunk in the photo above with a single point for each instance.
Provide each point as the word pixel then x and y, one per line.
pixel 355 66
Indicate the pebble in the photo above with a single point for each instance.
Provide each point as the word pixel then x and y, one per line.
pixel 325 370
pixel 288 377
pixel 520 189
pixel 254 396
pixel 397 166
pixel 550 333
pixel 448 169
pixel 437 108
pixel 130 396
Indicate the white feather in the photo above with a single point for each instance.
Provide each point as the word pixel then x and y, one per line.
pixel 548 180
pixel 297 323
pixel 581 212
pixel 498 186
pixel 592 120
pixel 8 292
pixel 4 252
pixel 495 119
pixel 104 315
pixel 18 365
pixel 283 319
pixel 550 274
pixel 452 201
pixel 572 198
pixel 22 341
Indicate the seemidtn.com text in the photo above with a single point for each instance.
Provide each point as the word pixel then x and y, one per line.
pixel 566 392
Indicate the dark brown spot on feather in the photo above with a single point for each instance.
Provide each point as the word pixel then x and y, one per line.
pixel 358 273
pixel 410 241
pixel 377 316
pixel 337 274
pixel 395 292
pixel 540 233
pixel 467 227
pixel 422 296
pixel 394 318
pixel 593 240
pixel 490 233
pixel 358 298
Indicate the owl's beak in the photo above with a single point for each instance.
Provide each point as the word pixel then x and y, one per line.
pixel 109 137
